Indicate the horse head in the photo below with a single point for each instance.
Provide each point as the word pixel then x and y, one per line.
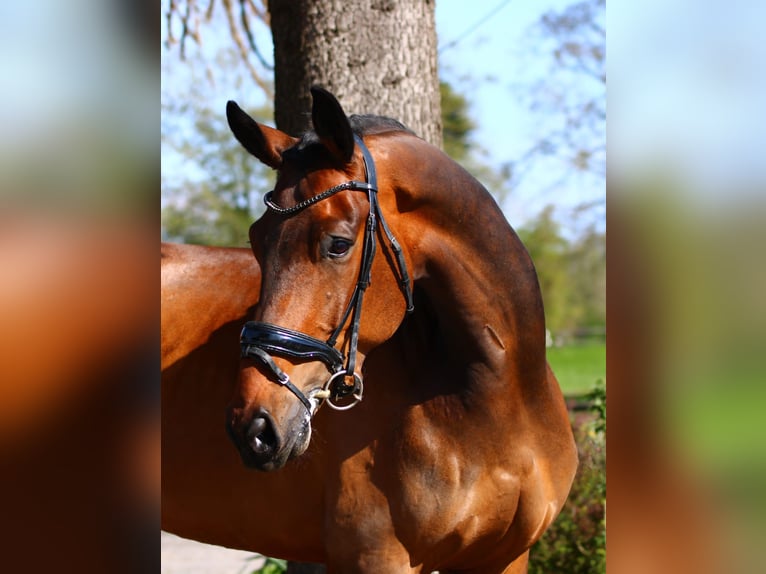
pixel 316 246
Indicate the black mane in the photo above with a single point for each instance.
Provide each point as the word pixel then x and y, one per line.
pixel 370 124
pixel 361 125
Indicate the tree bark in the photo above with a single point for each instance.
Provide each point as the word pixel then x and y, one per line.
pixel 376 56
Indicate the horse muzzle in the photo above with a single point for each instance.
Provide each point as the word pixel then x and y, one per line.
pixel 262 445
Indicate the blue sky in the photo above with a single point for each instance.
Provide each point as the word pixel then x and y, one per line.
pixel 490 52
pixel 503 51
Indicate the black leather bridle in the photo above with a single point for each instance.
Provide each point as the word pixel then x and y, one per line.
pixel 260 340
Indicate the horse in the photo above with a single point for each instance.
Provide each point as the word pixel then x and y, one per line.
pixel 206 293
pixel 202 289
pixel 455 451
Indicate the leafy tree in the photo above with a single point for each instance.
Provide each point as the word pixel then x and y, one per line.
pixel 548 249
pixel 587 279
pixel 457 126
pixel 218 195
pixel 572 274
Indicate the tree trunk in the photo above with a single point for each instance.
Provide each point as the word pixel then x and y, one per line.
pixel 376 56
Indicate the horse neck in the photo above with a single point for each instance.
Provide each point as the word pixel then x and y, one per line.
pixel 474 270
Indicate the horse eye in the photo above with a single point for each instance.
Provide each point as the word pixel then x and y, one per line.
pixel 339 247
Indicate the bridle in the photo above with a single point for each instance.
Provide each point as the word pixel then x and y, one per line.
pixel 260 340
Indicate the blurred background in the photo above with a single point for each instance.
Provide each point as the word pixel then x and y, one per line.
pixel 79 324
pixel 686 277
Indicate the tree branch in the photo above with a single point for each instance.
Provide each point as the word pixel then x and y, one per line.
pixel 169 23
pixel 246 25
pixel 260 12
pixel 237 37
pixel 191 17
pixel 185 28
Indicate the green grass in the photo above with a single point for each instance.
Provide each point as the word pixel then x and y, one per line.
pixel 578 366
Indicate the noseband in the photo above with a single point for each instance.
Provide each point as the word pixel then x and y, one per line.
pixel 260 340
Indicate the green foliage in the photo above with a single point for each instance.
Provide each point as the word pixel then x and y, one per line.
pixel 213 190
pixel 572 275
pixel 457 126
pixel 576 542
pixel 272 566
pixel 457 129
pixel 206 218
pixel 548 249
pixel 597 399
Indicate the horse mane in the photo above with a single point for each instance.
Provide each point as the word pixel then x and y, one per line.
pixel 361 125
pixel 368 124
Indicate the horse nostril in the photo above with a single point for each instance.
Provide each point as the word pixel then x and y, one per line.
pixel 260 435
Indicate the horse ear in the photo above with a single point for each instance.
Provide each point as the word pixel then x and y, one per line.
pixel 331 124
pixel 265 143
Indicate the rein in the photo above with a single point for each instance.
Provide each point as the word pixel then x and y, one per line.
pixel 259 340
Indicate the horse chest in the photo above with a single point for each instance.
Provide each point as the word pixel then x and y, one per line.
pixel 453 494
pixel 433 487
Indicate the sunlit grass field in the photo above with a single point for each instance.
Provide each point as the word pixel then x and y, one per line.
pixel 578 366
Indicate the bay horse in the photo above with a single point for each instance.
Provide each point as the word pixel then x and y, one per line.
pixel 457 453
pixel 202 290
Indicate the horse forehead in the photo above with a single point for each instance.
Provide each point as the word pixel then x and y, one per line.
pixel 313 164
pixel 345 207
